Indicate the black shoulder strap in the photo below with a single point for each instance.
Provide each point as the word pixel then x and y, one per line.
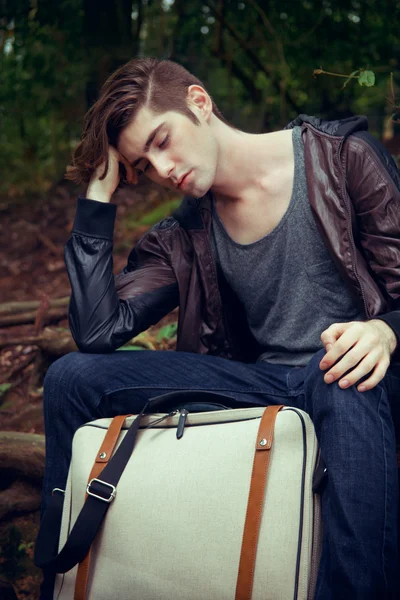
pixel 101 494
pixel 90 517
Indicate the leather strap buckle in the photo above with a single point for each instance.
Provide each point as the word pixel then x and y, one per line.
pixel 108 485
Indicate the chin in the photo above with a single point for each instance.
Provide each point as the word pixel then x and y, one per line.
pixel 201 188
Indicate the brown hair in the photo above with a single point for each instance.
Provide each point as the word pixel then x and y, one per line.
pixel 161 85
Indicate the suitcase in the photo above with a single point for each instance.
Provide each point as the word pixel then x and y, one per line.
pixel 191 515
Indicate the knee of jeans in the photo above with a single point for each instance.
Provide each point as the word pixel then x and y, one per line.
pixel 59 367
pixel 321 395
pixel 63 378
pixel 314 373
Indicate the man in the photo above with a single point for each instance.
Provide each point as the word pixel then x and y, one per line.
pixel 284 260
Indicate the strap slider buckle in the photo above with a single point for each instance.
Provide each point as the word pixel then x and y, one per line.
pixel 108 485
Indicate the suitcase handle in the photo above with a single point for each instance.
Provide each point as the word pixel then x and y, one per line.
pixel 194 401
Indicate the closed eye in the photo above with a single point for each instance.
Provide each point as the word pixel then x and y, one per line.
pixel 164 142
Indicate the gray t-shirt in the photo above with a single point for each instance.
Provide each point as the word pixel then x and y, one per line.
pixel 290 287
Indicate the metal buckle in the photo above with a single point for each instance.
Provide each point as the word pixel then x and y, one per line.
pixel 57 490
pixel 109 485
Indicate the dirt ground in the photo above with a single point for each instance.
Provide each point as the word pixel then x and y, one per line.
pixel 32 239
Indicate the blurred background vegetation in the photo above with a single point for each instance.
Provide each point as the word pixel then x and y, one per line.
pixel 255 56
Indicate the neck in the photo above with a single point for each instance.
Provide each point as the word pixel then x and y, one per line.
pixel 246 161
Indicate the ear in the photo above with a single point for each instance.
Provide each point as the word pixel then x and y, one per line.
pixel 199 101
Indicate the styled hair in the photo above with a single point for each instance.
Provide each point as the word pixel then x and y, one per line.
pixel 160 85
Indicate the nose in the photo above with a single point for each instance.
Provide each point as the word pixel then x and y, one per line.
pixel 163 166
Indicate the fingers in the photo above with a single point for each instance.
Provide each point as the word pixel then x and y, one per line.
pixel 377 375
pixel 362 351
pixel 363 364
pixel 330 335
pixel 338 339
pixel 131 175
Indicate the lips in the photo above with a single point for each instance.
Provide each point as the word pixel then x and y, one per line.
pixel 182 180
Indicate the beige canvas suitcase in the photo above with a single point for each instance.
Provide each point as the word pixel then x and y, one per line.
pixel 176 528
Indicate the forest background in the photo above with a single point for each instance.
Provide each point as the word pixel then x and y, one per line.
pixel 263 62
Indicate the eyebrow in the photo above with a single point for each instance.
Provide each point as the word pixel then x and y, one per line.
pixel 150 140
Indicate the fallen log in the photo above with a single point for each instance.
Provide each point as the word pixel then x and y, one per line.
pixel 22 454
pixel 13 308
pixel 53 314
pixel 19 497
pixel 55 341
pixel 21 471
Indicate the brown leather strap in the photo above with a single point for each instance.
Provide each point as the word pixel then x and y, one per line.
pixel 244 585
pixel 103 456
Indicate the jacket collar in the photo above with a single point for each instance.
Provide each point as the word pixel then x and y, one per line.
pixel 338 128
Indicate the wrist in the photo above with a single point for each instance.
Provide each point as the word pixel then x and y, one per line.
pixel 97 192
pixel 388 331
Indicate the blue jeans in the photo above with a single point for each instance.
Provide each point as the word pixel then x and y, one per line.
pixel 355 433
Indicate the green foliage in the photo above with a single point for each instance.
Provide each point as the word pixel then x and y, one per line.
pixel 142 341
pixel 40 99
pixel 255 58
pixel 131 347
pixel 4 387
pixel 152 217
pixel 13 552
pixel 367 78
pixel 168 332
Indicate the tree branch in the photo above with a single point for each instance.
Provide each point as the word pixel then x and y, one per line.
pixel 54 314
pixel 219 52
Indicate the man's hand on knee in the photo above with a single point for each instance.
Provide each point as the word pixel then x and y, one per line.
pixel 366 347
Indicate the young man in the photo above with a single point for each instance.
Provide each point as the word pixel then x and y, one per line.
pixel 284 260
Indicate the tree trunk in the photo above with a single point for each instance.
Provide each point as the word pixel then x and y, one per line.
pixel 108 38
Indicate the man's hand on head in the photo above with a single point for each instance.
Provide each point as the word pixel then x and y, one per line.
pixel 102 189
pixel 358 348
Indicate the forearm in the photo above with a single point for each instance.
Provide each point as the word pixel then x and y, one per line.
pixel 98 321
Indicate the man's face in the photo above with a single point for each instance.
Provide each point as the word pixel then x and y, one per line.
pixel 171 150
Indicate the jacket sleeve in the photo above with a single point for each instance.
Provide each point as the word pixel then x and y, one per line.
pixel 106 311
pixel 373 182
